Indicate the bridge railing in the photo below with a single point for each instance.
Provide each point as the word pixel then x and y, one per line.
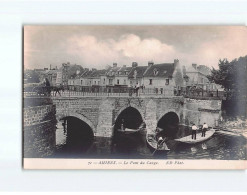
pixel 110 91
pixel 74 91
pixel 205 94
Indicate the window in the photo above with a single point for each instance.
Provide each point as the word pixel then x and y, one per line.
pixel 167 81
pixel 95 82
pixel 110 81
pixel 118 81
pixel 155 72
pixel 201 80
pixel 150 81
pixel 124 82
pixel 98 82
pixel 81 82
pixel 104 81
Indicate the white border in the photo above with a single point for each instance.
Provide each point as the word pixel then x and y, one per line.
pixel 14 14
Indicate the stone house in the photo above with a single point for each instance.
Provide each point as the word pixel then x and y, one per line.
pixel 197 76
pixel 121 76
pixel 165 78
pixel 135 76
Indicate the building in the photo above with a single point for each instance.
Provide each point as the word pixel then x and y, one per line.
pixel 135 76
pixel 121 76
pixel 65 77
pixel 197 77
pixel 165 78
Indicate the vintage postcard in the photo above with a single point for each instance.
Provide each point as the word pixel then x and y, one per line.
pixel 134 97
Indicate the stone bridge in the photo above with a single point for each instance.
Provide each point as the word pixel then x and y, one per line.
pixel 101 113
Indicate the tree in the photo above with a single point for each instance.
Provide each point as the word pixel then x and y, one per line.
pixel 231 76
pixel 74 69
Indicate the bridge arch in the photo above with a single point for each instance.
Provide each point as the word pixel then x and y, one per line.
pixel 168 111
pixel 131 114
pixel 81 117
pixel 132 106
pixel 169 122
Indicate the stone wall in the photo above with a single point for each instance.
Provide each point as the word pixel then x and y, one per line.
pixel 86 106
pixel 200 111
pixel 39 127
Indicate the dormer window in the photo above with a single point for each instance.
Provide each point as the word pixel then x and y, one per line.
pixel 155 72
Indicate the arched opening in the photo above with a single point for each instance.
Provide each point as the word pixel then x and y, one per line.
pixel 129 118
pixel 128 143
pixel 75 136
pixel 169 124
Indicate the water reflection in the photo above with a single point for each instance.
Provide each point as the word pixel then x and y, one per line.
pixel 77 141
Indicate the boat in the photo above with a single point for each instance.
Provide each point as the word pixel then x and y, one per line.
pixel 188 139
pixel 130 131
pixel 152 142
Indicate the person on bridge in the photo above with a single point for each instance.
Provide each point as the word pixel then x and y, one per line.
pixel 137 88
pixel 204 129
pixel 194 129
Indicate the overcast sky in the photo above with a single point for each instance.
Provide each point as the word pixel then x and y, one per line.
pixel 97 46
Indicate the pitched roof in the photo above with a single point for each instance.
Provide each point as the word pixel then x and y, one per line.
pixel 139 71
pixel 199 69
pixel 160 70
pixel 87 73
pixel 97 73
pixel 112 71
pixel 123 70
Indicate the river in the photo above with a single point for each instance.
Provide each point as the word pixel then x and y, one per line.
pixel 134 146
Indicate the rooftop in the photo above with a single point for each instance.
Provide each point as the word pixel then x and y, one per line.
pixel 160 70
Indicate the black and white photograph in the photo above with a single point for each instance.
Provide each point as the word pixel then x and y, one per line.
pixel 134 96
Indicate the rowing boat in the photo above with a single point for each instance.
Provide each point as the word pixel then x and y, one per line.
pixel 130 131
pixel 199 138
pixel 153 143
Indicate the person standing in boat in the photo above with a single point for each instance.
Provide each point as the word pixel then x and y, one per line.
pixel 194 129
pixel 204 129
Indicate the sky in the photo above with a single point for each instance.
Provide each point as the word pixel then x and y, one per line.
pixel 99 46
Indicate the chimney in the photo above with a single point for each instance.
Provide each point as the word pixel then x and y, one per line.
pixel 50 66
pixel 86 69
pixel 150 63
pixel 93 69
pixel 194 66
pixel 124 66
pixel 114 65
pixel 176 61
pixel 56 67
pixel 134 64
